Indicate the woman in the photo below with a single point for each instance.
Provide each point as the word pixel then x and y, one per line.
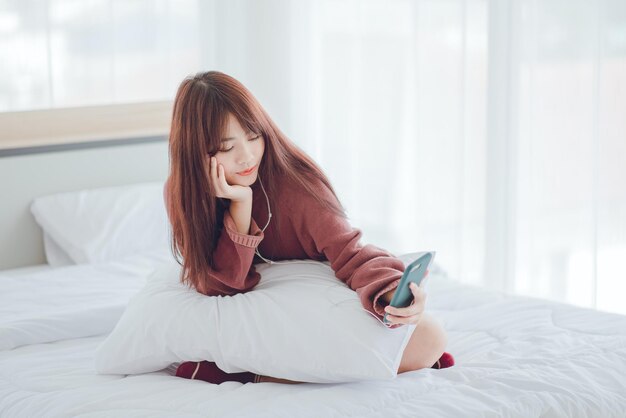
pixel 231 170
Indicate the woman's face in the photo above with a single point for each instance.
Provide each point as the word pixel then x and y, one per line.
pixel 240 151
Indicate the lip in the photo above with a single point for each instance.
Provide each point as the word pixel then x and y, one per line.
pixel 247 173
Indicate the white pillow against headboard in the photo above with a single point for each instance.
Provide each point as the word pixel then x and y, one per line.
pixel 55 255
pixel 103 224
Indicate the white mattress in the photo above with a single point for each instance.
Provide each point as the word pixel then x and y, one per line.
pixel 516 357
pixel 26 270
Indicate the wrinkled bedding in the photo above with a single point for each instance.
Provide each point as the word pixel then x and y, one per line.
pixel 516 357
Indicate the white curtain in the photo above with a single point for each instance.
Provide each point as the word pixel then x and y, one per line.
pixel 491 131
pixel 69 53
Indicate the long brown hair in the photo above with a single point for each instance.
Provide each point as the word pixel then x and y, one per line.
pixel 199 120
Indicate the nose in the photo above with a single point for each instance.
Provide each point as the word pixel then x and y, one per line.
pixel 246 157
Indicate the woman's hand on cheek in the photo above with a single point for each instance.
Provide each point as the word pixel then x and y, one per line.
pixel 235 193
pixel 411 314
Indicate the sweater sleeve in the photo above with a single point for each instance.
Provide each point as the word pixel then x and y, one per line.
pixel 366 269
pixel 234 272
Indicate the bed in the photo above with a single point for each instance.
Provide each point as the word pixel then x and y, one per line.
pixel 515 357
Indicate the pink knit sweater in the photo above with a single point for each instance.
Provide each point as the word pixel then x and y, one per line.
pixel 308 231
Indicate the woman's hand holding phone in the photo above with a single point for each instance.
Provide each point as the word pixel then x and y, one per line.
pixel 235 193
pixel 411 314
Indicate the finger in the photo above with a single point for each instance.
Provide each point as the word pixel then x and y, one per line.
pixel 419 297
pixel 413 319
pixel 406 312
pixel 213 169
pixel 214 178
pixel 416 319
pixel 390 322
pixel 419 293
pixel 209 170
pixel 223 181
pixel 416 306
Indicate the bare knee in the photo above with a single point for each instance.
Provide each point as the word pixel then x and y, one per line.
pixel 426 345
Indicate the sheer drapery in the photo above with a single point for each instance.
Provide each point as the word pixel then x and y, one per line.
pixel 491 131
pixel 68 53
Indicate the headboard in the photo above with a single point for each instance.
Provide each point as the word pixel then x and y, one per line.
pixel 27 173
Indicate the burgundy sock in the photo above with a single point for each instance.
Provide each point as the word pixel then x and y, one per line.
pixel 209 372
pixel 446 360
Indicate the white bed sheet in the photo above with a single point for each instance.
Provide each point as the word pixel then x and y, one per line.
pixel 20 271
pixel 40 304
pixel 516 357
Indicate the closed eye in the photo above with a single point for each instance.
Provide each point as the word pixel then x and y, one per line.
pixel 251 139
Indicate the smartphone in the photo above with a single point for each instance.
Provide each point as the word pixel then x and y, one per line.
pixel 414 273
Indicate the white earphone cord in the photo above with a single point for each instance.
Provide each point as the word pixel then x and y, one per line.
pixel 269 218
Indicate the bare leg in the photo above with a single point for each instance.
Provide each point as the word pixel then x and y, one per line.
pixel 426 345
pixel 424 348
